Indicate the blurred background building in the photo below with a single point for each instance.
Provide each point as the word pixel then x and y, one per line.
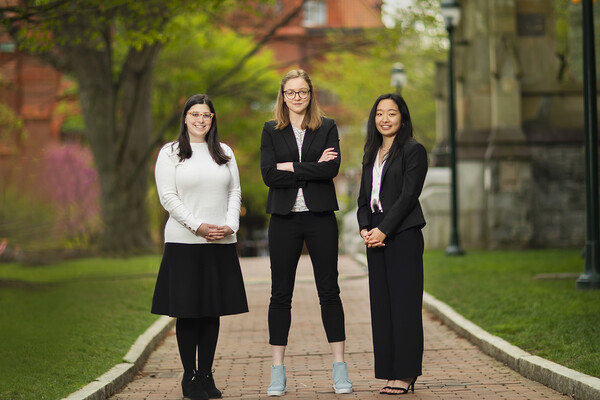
pixel 520 114
pixel 520 137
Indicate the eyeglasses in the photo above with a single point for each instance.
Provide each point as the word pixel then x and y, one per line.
pixel 291 94
pixel 197 115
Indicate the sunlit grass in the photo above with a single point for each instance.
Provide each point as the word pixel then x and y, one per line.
pixel 62 326
pixel 499 292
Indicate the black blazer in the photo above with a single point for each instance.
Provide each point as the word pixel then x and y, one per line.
pixel 401 184
pixel 315 178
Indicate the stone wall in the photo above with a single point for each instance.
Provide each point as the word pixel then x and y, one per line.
pixel 558 207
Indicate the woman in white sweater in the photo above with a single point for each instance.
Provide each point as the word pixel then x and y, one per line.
pixel 200 277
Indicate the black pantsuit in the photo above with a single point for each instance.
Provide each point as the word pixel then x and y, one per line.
pixel 396 270
pixel 287 233
pixel 396 294
pixel 289 230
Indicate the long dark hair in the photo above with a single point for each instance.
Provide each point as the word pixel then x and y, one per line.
pixel 212 137
pixel 374 138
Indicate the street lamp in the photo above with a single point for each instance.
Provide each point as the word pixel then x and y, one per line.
pixel 590 279
pixel 398 77
pixel 451 14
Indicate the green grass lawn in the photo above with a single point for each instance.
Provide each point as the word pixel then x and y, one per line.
pixel 64 325
pixel 498 292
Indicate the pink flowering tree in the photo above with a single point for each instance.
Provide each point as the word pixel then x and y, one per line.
pixel 70 182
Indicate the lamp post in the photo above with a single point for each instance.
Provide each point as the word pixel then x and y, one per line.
pixel 451 14
pixel 590 279
pixel 398 77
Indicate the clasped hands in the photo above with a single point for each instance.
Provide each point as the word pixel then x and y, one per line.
pixel 328 155
pixel 373 237
pixel 213 232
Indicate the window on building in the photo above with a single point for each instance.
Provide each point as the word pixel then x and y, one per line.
pixel 7 47
pixel 315 13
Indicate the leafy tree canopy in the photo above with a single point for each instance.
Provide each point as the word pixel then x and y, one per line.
pixel 110 47
pixel 356 78
pixel 194 61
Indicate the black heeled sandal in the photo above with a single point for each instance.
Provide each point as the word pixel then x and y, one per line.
pixel 384 390
pixel 411 387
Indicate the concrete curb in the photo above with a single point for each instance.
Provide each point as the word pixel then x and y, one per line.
pixel 551 374
pixel 121 374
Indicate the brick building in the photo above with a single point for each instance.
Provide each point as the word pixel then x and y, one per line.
pixel 29 91
pixel 304 37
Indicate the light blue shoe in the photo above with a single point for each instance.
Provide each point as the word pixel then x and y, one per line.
pixel 278 381
pixel 341 380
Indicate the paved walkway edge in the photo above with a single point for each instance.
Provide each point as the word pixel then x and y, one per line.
pixel 551 374
pixel 121 374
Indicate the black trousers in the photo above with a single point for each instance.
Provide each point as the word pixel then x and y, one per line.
pixel 396 294
pixel 287 233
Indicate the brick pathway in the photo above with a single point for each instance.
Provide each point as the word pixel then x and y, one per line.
pixel 453 367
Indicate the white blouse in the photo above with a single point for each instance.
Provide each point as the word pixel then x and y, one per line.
pixel 197 190
pixel 376 186
pixel 299 204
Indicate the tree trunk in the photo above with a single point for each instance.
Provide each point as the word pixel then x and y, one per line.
pixel 118 117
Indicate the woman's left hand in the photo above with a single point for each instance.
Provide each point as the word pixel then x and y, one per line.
pixel 376 238
pixel 328 155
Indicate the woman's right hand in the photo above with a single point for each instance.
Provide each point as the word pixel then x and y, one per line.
pixel 213 232
pixel 373 238
pixel 328 155
pixel 208 231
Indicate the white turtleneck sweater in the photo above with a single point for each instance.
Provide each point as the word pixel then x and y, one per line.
pixel 197 190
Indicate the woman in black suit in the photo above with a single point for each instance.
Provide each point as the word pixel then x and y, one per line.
pixel 299 159
pixel 390 220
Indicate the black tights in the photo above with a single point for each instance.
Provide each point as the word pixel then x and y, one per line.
pixel 200 334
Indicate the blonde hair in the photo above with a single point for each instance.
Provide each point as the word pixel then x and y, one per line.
pixel 281 113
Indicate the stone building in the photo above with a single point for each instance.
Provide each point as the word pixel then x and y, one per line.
pixel 520 131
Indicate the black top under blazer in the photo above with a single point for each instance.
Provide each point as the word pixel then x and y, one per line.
pixel 401 184
pixel 315 178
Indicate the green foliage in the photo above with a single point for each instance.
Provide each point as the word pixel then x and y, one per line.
pixel 499 292
pixel 194 61
pixel 570 43
pixel 62 326
pixel 561 8
pixel 27 222
pixel 12 129
pixel 45 24
pixel 11 125
pixel 110 47
pixel 357 78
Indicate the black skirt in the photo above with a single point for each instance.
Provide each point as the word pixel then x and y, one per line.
pixel 199 280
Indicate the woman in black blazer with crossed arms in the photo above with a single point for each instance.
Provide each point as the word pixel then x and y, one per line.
pixel 390 220
pixel 299 159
